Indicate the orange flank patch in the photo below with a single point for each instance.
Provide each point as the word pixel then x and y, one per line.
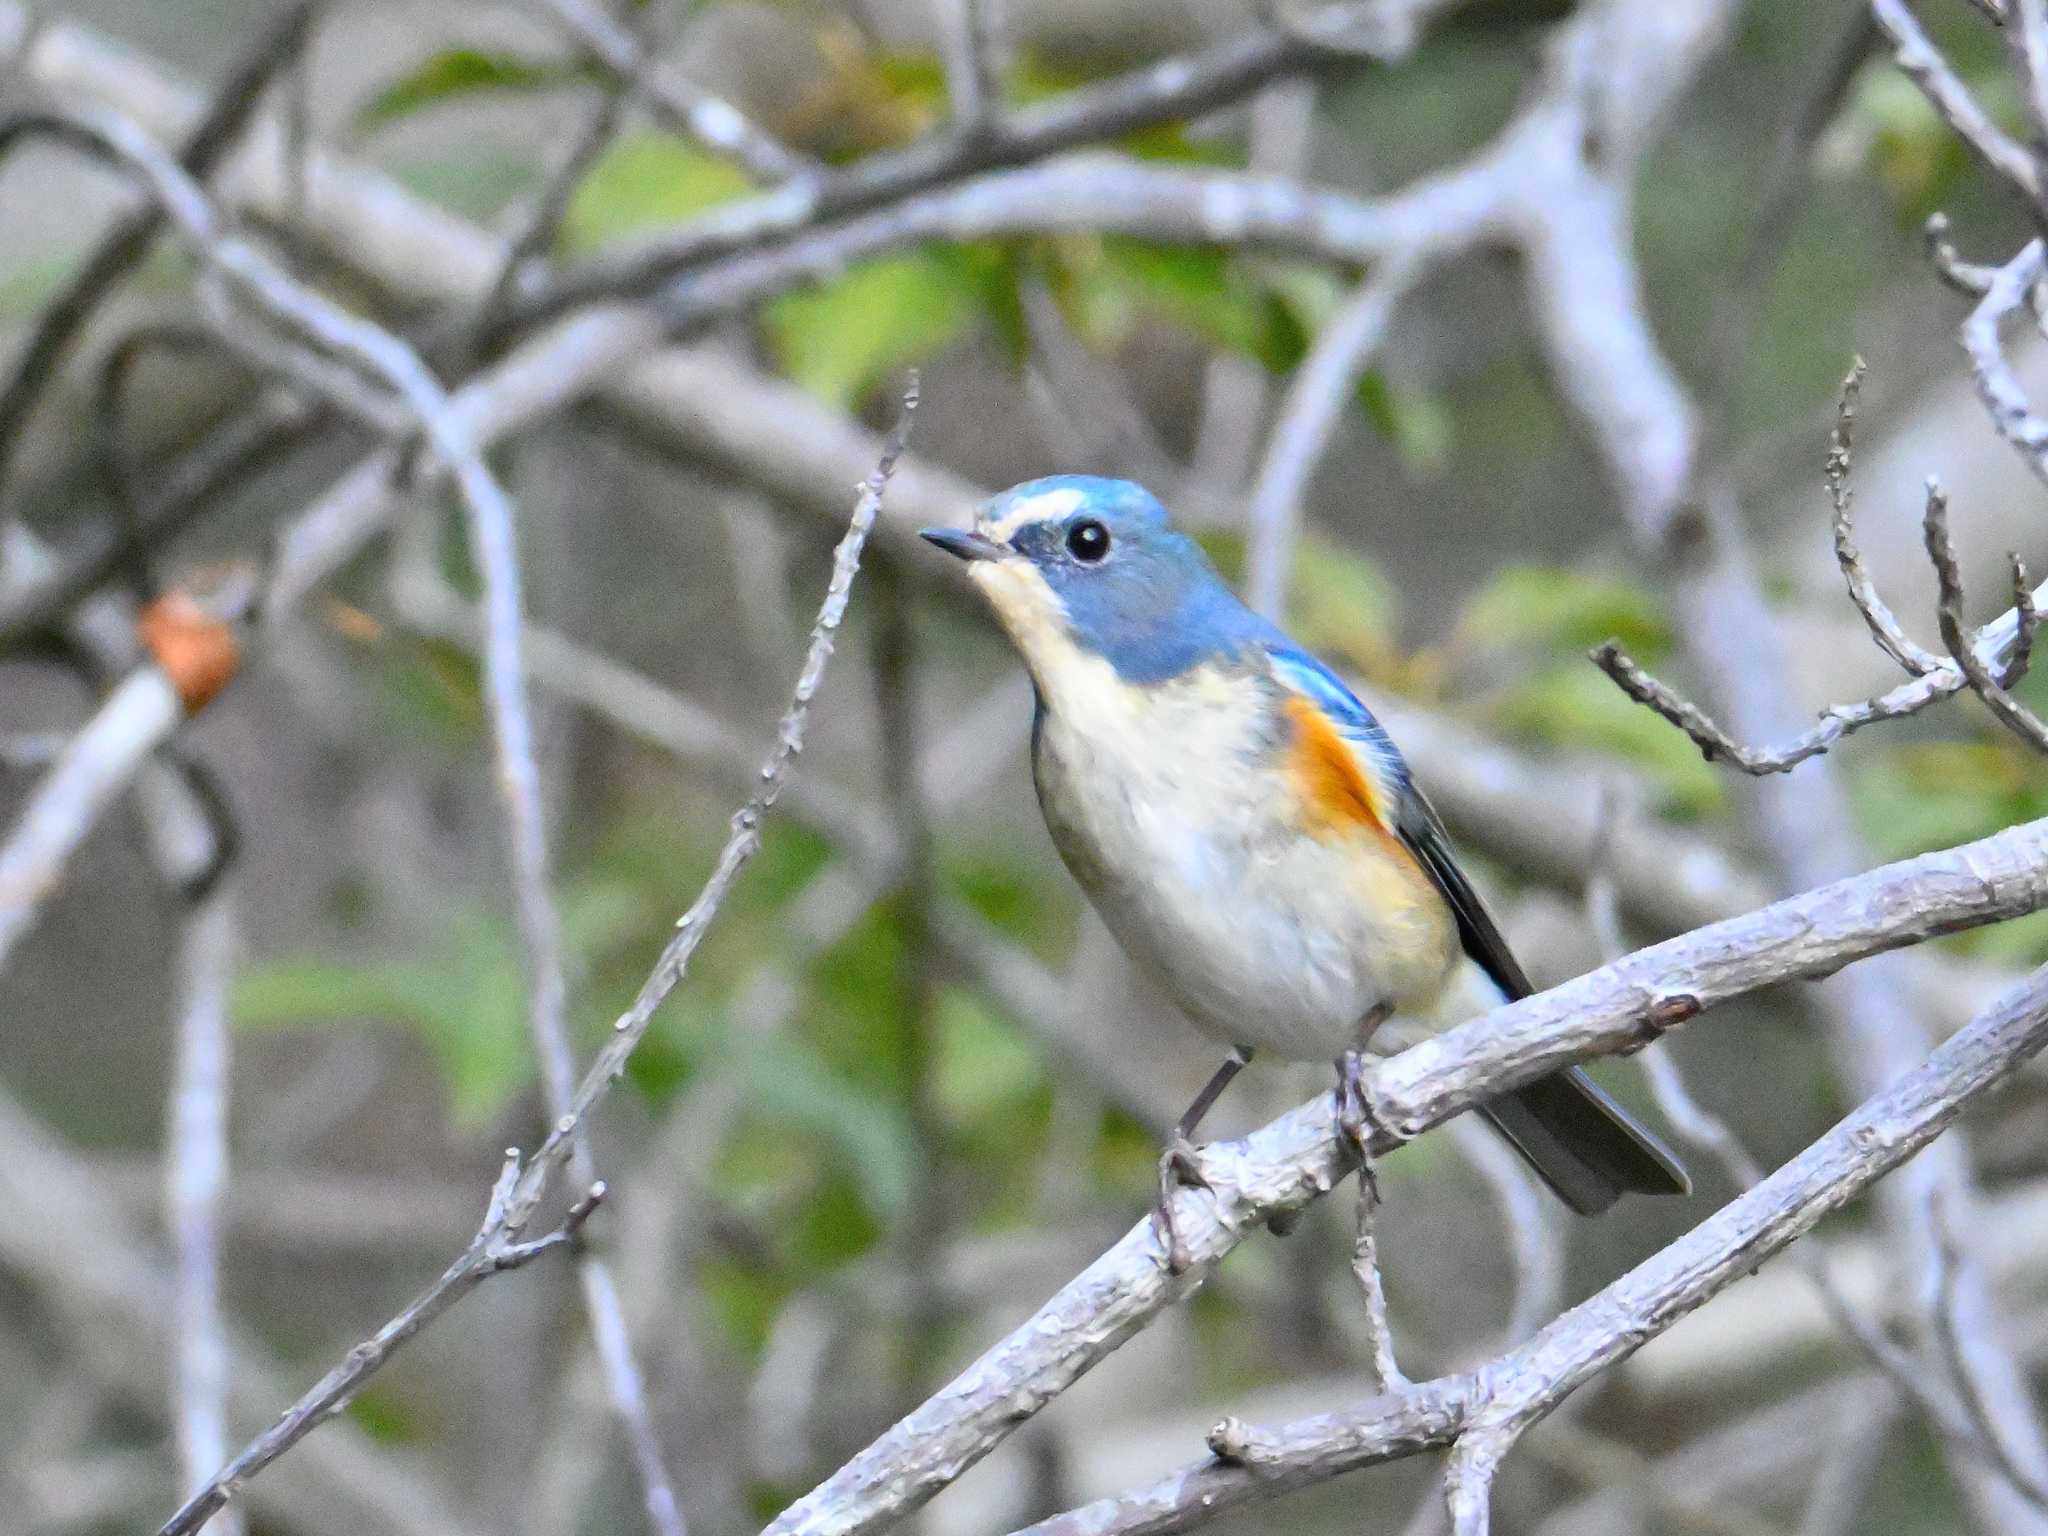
pixel 1335 789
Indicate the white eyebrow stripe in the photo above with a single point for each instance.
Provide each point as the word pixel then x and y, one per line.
pixel 1045 507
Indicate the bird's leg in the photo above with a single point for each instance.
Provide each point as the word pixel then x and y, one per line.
pixel 1355 1123
pixel 1179 1167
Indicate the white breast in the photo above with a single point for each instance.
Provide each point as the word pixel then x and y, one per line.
pixel 1171 808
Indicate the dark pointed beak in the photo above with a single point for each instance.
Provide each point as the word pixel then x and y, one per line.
pixel 963 545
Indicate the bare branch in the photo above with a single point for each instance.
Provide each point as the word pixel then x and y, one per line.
pixel 1481 1412
pixel 59 322
pixel 196 1176
pixel 1313 406
pixel 1884 626
pixel 1180 87
pixel 678 103
pixel 2011 713
pixel 1365 1265
pixel 1965 277
pixel 97 765
pixel 972 49
pixel 2006 295
pixel 1296 1158
pixel 1921 63
pixel 518 1194
pixel 1717 746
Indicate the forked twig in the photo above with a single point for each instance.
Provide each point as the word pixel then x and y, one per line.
pixel 1884 626
pixel 518 1193
pixel 1991 688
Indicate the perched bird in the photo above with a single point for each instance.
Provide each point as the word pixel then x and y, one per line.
pixel 1248 831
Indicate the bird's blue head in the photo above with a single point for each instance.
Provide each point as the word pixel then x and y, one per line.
pixel 1075 563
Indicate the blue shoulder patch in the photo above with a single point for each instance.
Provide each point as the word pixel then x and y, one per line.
pixel 1297 669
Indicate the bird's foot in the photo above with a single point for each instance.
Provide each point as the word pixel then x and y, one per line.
pixel 1355 1121
pixel 1180 1167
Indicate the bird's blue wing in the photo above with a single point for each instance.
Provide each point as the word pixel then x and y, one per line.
pixel 1298 670
pixel 1415 820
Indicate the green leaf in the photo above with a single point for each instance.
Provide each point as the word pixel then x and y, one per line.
pixel 455 73
pixel 468 1011
pixel 1921 796
pixel 842 340
pixel 466 1001
pixel 983 1064
pixel 789 1079
pixel 644 181
pixel 1202 289
pixel 388 1416
pixel 1417 423
pixel 1565 611
pixel 1919 161
pixel 1015 897
pixel 1343 604
pixel 1037 76
pixel 1575 705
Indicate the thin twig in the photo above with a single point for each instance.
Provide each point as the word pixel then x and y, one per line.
pixel 1179 87
pixel 2004 396
pixel 1965 277
pixel 196 1170
pixel 1313 405
pixel 678 104
pixel 1992 689
pixel 1922 63
pixel 1717 746
pixel 1365 1265
pixel 1884 626
pixel 971 34
pixel 520 1190
pixel 60 321
pixel 93 770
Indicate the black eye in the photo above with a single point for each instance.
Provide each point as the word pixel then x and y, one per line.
pixel 1088 541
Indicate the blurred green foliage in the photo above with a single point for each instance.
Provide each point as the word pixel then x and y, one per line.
pixel 644 181
pixel 456 74
pixel 1572 705
pixel 844 339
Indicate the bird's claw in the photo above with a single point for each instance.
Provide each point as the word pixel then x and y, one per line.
pixel 1180 1167
pixel 1355 1122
